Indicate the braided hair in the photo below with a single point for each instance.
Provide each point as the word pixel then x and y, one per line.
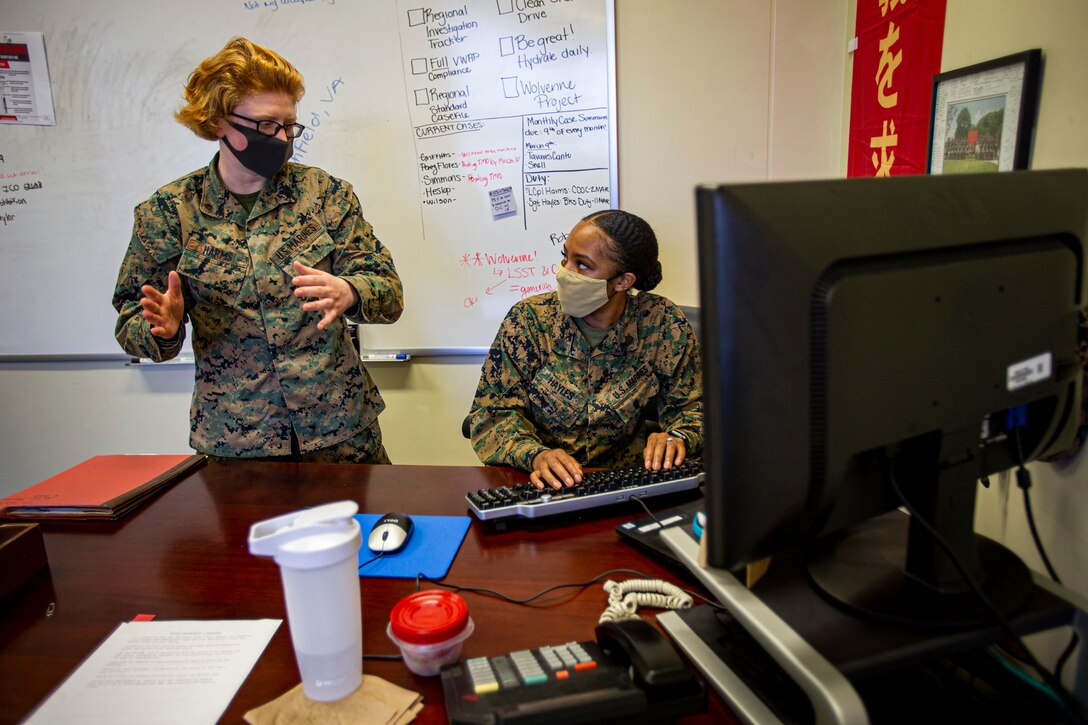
pixel 633 245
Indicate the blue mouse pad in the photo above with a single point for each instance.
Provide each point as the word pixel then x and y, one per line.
pixel 435 541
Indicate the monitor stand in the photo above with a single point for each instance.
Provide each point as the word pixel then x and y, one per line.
pixel 805 637
pixel 833 699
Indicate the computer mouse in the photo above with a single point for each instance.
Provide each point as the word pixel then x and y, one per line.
pixel 390 533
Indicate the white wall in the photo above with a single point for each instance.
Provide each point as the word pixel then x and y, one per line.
pixel 722 91
pixel 57 414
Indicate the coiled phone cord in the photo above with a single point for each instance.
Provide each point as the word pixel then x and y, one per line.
pixel 624 598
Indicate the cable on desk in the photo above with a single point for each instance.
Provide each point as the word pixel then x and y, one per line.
pixel 371 560
pixel 624 598
pixel 1069 704
pixel 1064 656
pixel 575 585
pixel 1023 480
pixel 1000 656
pixel 648 511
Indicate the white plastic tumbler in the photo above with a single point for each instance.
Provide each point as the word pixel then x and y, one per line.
pixel 317 551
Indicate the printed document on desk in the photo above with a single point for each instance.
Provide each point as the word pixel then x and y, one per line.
pixel 162 672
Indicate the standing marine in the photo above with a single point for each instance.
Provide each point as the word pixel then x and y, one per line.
pixel 266 259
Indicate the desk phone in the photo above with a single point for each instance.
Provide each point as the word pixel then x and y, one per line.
pixel 631 670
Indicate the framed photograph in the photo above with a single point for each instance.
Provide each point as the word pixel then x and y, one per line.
pixel 983 116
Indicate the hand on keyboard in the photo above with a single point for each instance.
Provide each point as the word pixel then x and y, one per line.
pixel 597 488
pixel 664 451
pixel 555 468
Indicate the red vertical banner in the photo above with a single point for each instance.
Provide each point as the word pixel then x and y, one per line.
pixel 898 53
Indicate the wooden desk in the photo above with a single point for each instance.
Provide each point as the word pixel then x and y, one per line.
pixel 184 556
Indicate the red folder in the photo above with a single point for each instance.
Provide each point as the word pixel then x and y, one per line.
pixel 102 487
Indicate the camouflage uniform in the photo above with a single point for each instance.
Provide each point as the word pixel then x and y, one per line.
pixel 263 369
pixel 543 387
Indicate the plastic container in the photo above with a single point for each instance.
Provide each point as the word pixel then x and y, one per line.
pixel 429 627
pixel 318 553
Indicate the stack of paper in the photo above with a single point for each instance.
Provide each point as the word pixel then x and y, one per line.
pixel 160 672
pixel 102 487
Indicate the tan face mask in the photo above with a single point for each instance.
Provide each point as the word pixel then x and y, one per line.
pixel 580 295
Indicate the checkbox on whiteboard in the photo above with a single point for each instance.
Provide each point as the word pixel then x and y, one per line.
pixel 416 17
pixel 419 66
pixel 505 6
pixel 506 45
pixel 509 87
pixel 422 98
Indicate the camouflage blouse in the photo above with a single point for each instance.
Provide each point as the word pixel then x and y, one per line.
pixel 543 387
pixel 263 368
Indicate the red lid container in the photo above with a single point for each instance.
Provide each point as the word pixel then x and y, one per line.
pixel 428 617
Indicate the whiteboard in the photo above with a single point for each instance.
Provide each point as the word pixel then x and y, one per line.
pixel 475 133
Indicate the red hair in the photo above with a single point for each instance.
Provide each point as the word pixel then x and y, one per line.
pixel 220 82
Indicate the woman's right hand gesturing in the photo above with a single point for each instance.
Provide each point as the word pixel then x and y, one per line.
pixel 164 310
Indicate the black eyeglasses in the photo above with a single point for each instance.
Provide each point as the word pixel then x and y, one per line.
pixel 271 128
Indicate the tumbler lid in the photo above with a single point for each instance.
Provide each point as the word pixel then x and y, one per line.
pixel 428 617
pixel 311 538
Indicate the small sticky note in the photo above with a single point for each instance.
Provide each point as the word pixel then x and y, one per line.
pixel 502 203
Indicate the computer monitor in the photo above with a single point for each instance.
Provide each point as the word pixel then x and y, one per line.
pixel 859 333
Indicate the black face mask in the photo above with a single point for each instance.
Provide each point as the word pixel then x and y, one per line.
pixel 264 155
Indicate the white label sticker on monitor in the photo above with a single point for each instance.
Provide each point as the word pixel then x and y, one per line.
pixel 1029 371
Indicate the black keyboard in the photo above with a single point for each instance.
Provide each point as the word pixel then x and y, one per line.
pixel 598 488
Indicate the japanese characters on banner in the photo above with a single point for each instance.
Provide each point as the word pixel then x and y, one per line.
pixel 898 53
